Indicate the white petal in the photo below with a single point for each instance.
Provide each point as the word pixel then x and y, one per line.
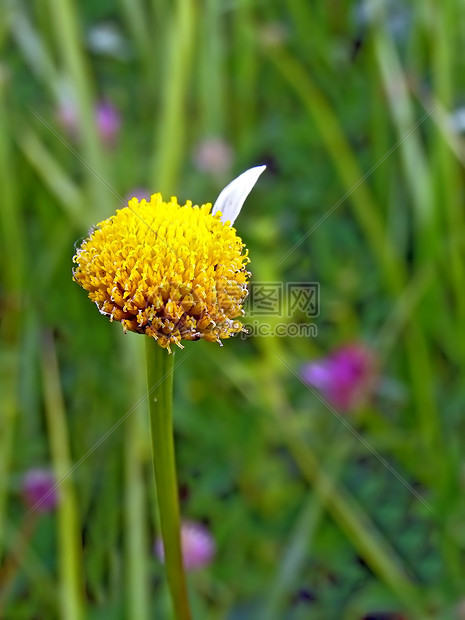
pixel 231 199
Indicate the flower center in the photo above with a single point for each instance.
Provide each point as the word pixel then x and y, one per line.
pixel 166 270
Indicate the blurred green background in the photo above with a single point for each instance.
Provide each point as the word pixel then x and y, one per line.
pixel 356 108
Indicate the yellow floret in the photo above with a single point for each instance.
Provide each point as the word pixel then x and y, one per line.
pixel 166 270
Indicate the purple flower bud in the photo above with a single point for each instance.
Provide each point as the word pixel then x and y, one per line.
pixel 38 490
pixel 198 546
pixel 108 121
pixel 347 378
pixel 214 156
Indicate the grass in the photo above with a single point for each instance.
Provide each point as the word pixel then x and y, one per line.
pixel 359 196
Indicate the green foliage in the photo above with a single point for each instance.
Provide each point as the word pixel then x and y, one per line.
pixel 308 521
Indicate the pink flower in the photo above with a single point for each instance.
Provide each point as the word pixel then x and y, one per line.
pixel 67 117
pixel 197 544
pixel 38 490
pixel 213 155
pixel 108 121
pixel 347 378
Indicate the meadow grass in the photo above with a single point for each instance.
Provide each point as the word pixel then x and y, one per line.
pixel 351 106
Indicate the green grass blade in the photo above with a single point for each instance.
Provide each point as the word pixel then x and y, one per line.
pixel 70 546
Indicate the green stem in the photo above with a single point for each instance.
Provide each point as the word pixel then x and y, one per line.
pixel 12 311
pixel 135 459
pixel 160 382
pixel 12 561
pixel 171 128
pixel 31 566
pixel 53 175
pixel 245 106
pixel 69 533
pixel 65 20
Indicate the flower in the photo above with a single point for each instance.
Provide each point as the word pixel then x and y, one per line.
pixel 67 116
pixel 38 490
pixel 347 378
pixel 213 155
pixel 170 271
pixel 197 545
pixel 108 121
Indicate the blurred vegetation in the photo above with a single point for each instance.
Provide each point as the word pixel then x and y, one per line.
pixel 356 109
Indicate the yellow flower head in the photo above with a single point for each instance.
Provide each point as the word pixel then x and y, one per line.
pixel 170 271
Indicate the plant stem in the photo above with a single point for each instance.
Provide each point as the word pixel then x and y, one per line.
pixel 65 21
pixel 12 561
pixel 69 532
pixel 160 382
pixel 169 151
pixel 135 459
pixel 12 311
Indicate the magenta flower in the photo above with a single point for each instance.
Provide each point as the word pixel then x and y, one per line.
pixel 197 544
pixel 108 121
pixel 38 490
pixel 347 378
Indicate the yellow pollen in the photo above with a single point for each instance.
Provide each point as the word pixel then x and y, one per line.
pixel 166 270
